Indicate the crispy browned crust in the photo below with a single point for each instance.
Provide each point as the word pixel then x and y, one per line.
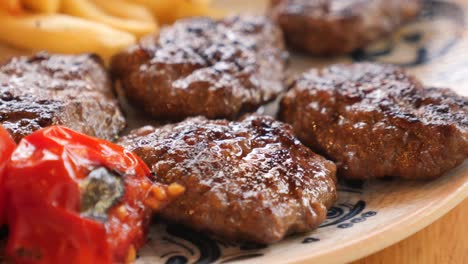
pixel 375 120
pixel 204 67
pixel 249 180
pixel 327 27
pixel 44 90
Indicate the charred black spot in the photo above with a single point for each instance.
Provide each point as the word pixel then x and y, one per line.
pixel 101 190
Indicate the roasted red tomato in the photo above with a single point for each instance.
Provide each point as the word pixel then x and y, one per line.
pixel 7 145
pixel 76 199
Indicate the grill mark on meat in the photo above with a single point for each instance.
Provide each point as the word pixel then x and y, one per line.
pixel 204 67
pixel 248 180
pixel 44 90
pixel 375 121
pixel 327 27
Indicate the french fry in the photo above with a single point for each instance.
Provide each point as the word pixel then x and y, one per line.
pixel 42 6
pixel 191 8
pixel 12 7
pixel 168 11
pixel 201 2
pixel 62 34
pixel 162 9
pixel 101 26
pixel 124 9
pixel 87 10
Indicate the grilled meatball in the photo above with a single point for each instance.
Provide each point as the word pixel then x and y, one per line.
pixel 328 27
pixel 376 120
pixel 70 90
pixel 250 180
pixel 204 67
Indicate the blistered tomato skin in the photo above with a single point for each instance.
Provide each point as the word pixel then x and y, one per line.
pixel 7 145
pixel 77 199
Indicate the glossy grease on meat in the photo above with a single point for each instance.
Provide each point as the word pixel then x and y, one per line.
pixel 327 27
pixel 249 180
pixel 376 120
pixel 69 90
pixel 200 66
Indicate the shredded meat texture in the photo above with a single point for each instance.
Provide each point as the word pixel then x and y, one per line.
pixel 328 27
pixel 250 180
pixel 69 90
pixel 199 66
pixel 376 120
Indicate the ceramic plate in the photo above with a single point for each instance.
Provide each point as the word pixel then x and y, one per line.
pixel 368 216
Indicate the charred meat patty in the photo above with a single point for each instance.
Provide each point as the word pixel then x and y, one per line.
pixel 250 180
pixel 69 90
pixel 376 120
pixel 328 27
pixel 200 66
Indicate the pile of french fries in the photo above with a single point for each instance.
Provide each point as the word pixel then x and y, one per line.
pixel 100 26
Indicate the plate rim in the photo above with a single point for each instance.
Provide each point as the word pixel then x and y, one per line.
pixel 380 239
